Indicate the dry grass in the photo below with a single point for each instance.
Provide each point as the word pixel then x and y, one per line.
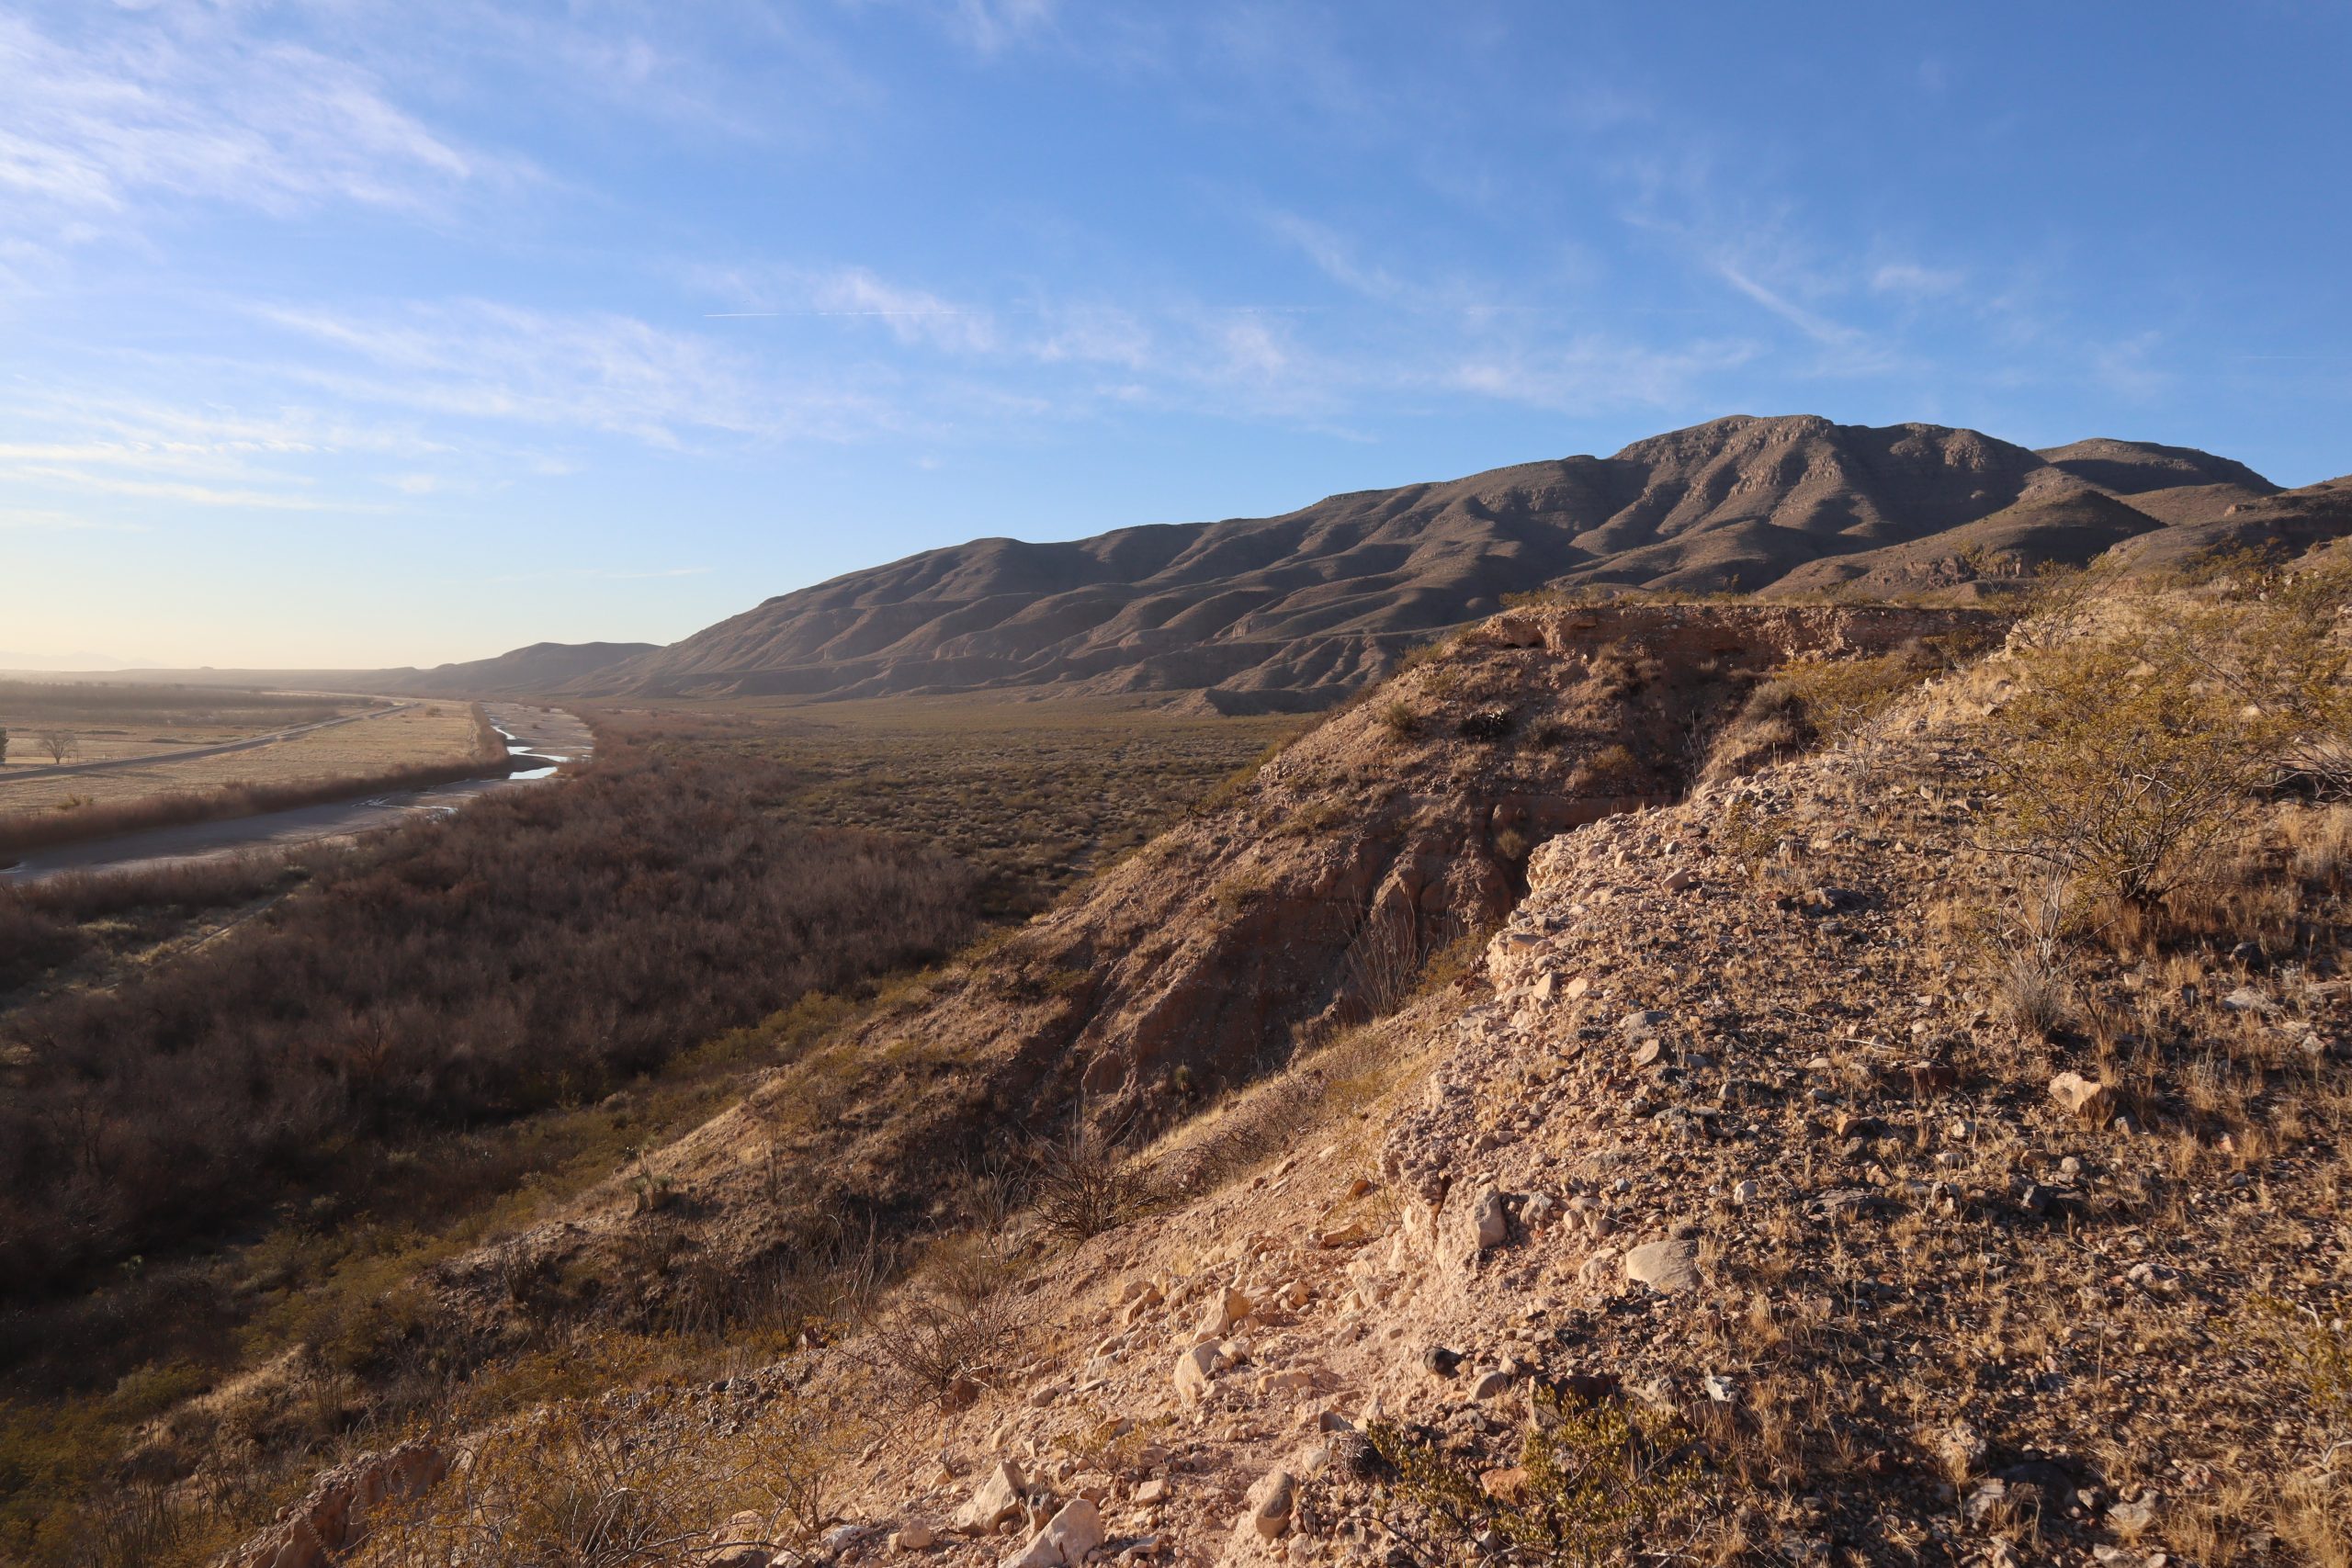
pixel 107 720
pixel 427 734
pixel 1036 794
pixel 586 1485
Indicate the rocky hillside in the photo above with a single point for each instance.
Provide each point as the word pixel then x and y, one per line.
pixel 1296 611
pixel 1586 1092
pixel 1303 902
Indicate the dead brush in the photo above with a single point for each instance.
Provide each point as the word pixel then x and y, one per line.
pixel 1747 837
pixel 2027 956
pixel 2311 1349
pixel 588 1484
pixel 136 1525
pixel 957 1322
pixel 2319 846
pixel 1084 1183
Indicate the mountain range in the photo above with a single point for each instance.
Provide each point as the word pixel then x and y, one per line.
pixel 1296 610
pixel 1293 612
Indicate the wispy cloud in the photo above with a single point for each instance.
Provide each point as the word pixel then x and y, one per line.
pixel 991 26
pixel 1597 375
pixel 137 113
pixel 104 483
pixel 581 372
pixel 32 519
pixel 601 575
pixel 1332 254
pixel 1911 280
pixel 911 315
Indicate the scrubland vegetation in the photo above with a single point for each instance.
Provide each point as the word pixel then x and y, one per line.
pixel 40 703
pixel 2112 855
pixel 543 947
pixel 407 1043
pixel 1033 793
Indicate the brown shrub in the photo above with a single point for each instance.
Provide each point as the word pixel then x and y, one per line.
pixel 957 1320
pixel 541 948
pixel 640 1486
pixel 1084 1184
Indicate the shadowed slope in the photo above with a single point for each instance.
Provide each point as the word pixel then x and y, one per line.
pixel 1298 609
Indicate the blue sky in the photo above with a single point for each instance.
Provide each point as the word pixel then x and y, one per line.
pixel 352 333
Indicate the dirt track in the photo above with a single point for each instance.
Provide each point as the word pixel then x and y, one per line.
pixel 193 753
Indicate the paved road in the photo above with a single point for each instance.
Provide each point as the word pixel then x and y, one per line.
pixel 190 752
pixel 539 737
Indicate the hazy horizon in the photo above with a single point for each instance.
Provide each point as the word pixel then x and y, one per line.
pixel 340 337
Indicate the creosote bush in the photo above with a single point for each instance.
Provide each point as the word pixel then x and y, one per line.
pixel 1399 718
pixel 2313 1349
pixel 2124 764
pixel 1084 1184
pixel 1592 1485
pixel 956 1321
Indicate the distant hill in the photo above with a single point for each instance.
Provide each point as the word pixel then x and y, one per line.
pixel 535 671
pixel 1295 610
pixel 524 673
pixel 2287 519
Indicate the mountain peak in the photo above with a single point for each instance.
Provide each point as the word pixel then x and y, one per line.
pixel 1297 610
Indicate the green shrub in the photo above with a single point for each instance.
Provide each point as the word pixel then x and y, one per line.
pixel 1398 719
pixel 1593 1484
pixel 2124 763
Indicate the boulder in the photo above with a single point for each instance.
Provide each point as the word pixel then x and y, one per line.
pixel 1488 1220
pixel 1493 1385
pixel 997 1498
pixel 2082 1097
pixel 1225 1309
pixel 1194 1369
pixel 1064 1541
pixel 1669 1268
pixel 1266 1510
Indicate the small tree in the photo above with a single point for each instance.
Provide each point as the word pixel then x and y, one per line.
pixel 61 744
pixel 2276 644
pixel 2125 763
